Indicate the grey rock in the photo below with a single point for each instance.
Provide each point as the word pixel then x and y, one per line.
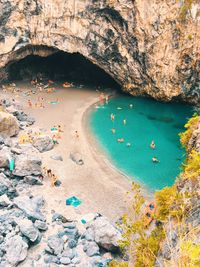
pixel 77 158
pixel 26 165
pixel 91 249
pixel 70 225
pixel 29 231
pixel 105 234
pixel 51 259
pixel 8 125
pixel 1 239
pixel 57 157
pixel 16 250
pixel 5 155
pixel 43 143
pixel 76 260
pixel 58 217
pixel 48 250
pixel 4 201
pixel 72 233
pixel 33 180
pixel 31 207
pixel 72 243
pixel 40 225
pixel 65 260
pixel 69 253
pixel 56 244
pixel 5 184
pixel 37 257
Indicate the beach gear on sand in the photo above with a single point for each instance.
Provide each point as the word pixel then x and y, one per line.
pixel 73 201
pixel 54 102
pixel 11 164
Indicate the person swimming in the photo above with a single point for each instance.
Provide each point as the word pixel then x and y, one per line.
pixel 152 145
pixel 120 140
pixel 124 121
pixel 113 130
pixel 155 160
pixel 128 144
pixel 131 106
pixel 112 117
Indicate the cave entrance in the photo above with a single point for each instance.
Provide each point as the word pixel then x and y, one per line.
pixel 61 66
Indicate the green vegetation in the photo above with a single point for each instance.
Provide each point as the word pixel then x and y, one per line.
pixel 191 125
pixel 172 205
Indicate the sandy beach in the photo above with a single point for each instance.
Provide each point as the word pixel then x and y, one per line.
pixel 101 188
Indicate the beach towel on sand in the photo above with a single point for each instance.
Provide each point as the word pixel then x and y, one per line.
pixel 73 201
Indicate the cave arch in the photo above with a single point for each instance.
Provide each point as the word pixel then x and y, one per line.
pixel 57 65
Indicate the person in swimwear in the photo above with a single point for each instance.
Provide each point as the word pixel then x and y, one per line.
pixel 152 145
pixel 124 121
pixel 113 130
pixel 155 160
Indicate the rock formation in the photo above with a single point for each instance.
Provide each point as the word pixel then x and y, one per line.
pixel 148 47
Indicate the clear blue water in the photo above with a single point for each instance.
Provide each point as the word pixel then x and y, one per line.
pixel 148 120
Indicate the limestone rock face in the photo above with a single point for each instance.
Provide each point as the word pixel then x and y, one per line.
pixel 8 125
pixel 148 47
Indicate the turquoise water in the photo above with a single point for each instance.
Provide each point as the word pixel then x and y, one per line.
pixel 148 120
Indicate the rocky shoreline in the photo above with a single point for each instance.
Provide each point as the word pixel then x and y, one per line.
pixel 23 224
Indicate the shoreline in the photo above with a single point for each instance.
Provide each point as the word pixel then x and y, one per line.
pixel 106 159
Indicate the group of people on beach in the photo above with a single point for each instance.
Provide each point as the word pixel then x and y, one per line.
pixel 103 98
pixel 38 104
pixel 48 173
pixel 56 131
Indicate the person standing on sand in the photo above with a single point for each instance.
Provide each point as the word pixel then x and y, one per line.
pixel 30 103
pixel 102 98
pixel 76 135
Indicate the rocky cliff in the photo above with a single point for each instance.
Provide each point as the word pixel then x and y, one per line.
pixel 148 47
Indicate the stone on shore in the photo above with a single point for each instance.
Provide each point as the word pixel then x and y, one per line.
pixel 104 233
pixel 16 250
pixel 5 184
pixel 31 206
pixel 33 180
pixel 26 165
pixel 43 143
pixel 8 125
pixel 28 230
pixel 56 244
pixel 5 155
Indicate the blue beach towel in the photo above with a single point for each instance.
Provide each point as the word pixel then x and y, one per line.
pixel 73 201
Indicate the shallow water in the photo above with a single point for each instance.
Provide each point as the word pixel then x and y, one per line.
pixel 148 120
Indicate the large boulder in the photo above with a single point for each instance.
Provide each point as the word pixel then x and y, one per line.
pixel 56 244
pixel 104 233
pixel 8 124
pixel 5 155
pixel 31 206
pixel 26 165
pixel 29 230
pixel 16 250
pixel 5 184
pixel 43 143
